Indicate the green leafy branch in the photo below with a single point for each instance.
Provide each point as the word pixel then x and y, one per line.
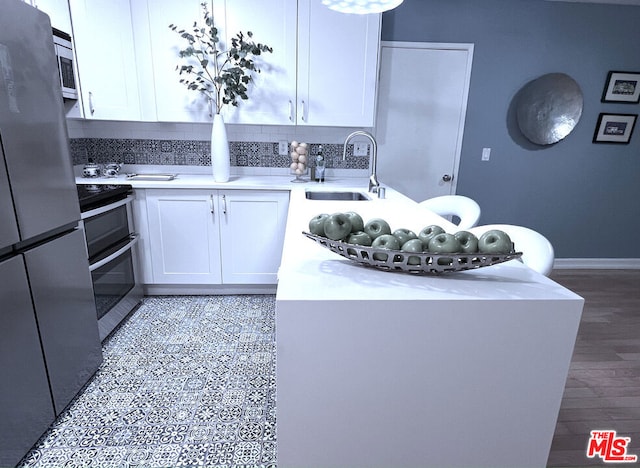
pixel 222 75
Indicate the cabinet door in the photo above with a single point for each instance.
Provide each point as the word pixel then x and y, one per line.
pixel 184 241
pixel 104 45
pixel 160 45
pixel 252 234
pixel 272 94
pixel 337 66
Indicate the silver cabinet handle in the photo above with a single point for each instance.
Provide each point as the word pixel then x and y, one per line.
pixel 224 201
pixel 211 204
pixel 92 109
pixel 290 110
pixel 133 240
pixel 304 111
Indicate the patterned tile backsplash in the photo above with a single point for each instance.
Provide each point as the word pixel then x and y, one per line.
pixel 196 153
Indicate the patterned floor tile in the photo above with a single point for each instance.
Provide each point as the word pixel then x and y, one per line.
pixel 186 381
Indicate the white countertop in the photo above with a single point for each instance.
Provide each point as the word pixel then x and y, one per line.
pixel 311 272
pixel 240 182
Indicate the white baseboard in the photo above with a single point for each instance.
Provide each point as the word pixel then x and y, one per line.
pixel 597 263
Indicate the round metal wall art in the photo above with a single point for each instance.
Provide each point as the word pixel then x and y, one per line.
pixel 549 108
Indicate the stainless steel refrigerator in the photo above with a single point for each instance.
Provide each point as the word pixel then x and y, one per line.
pixel 49 343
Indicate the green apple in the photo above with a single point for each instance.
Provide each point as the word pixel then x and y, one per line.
pixel 316 225
pixel 495 241
pixel 337 226
pixel 427 233
pixel 357 224
pixel 468 241
pixel 413 245
pixel 403 235
pixel 359 238
pixel 387 242
pixel 444 243
pixel 377 227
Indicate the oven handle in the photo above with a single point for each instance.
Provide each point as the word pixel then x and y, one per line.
pixel 133 241
pixel 104 209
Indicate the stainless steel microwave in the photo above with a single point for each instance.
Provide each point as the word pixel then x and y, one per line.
pixel 64 54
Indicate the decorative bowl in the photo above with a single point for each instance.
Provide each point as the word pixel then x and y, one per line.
pixel 425 263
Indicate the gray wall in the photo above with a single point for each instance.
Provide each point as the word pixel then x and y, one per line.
pixel 584 197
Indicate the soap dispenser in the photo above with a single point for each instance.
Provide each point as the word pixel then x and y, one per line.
pixel 320 165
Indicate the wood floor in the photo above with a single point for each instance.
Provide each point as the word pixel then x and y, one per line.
pixel 603 386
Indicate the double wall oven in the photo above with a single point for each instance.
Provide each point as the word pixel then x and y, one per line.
pixel 111 245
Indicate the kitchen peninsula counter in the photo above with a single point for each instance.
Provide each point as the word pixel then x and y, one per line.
pixel 383 369
pixel 387 369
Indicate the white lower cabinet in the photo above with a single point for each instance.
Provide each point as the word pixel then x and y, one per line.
pixel 252 225
pixel 184 237
pixel 214 237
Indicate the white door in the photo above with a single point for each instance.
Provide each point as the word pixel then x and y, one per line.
pixel 422 102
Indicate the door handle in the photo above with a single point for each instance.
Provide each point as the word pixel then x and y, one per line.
pixel 224 204
pixel 447 178
pixel 211 204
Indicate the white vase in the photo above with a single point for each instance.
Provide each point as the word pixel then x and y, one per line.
pixel 220 161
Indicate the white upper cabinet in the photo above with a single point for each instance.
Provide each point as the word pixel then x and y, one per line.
pixel 272 94
pixel 157 48
pixel 323 69
pixel 104 46
pixel 322 72
pixel 337 66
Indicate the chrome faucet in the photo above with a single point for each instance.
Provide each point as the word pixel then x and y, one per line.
pixel 373 178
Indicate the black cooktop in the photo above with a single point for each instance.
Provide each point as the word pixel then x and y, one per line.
pixel 92 196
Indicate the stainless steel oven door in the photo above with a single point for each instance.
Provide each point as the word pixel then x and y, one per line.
pixel 106 226
pixel 115 287
pixel 113 262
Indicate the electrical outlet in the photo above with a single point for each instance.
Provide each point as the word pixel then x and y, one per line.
pixel 283 148
pixel 486 154
pixel 361 149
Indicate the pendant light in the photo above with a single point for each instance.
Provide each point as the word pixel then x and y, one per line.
pixel 361 7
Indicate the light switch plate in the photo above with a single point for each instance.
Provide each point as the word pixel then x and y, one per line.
pixel 486 154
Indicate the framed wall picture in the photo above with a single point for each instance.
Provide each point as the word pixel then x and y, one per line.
pixel 622 87
pixel 614 128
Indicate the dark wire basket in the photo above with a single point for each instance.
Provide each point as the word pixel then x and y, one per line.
pixel 424 263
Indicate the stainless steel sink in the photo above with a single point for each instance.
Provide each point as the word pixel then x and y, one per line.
pixel 341 195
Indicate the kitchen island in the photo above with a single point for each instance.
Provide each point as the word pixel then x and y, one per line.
pixel 382 369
